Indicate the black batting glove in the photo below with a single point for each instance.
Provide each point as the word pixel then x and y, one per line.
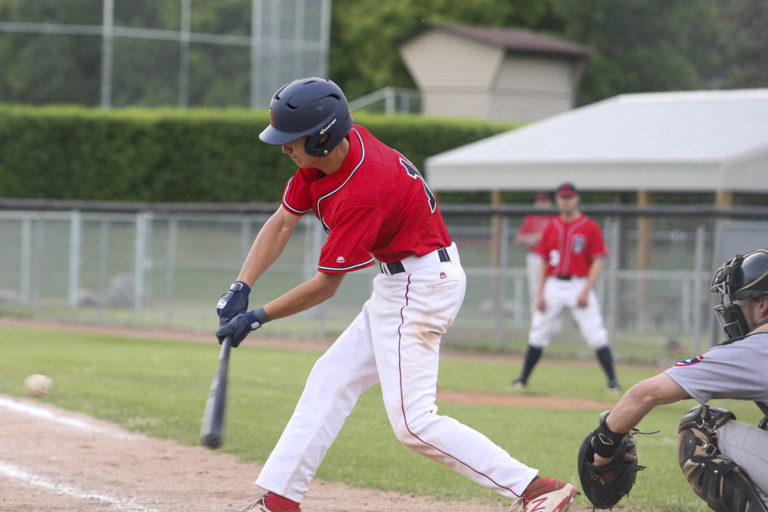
pixel 233 303
pixel 241 326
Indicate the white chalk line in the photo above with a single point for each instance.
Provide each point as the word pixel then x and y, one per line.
pixel 40 412
pixel 18 473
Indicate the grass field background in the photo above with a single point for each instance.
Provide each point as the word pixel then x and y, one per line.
pixel 159 387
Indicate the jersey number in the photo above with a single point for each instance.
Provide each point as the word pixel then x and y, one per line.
pixel 414 173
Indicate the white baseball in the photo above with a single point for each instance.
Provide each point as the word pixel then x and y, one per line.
pixel 38 385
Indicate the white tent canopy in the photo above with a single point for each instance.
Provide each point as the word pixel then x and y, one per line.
pixel 673 141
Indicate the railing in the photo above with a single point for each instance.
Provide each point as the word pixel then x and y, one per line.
pixel 388 100
pixel 150 264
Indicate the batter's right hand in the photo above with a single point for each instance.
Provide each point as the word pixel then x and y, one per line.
pixel 233 303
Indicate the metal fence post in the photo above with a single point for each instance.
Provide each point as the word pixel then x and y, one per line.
pixel 75 229
pixel 103 265
pixel 107 33
pixel 610 297
pixel 501 273
pixel 520 300
pixel 698 267
pixel 140 260
pixel 686 304
pixel 246 238
pixel 184 39
pixel 170 273
pixel 26 260
pixel 38 244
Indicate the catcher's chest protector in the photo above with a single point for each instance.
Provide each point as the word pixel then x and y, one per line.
pixel 716 479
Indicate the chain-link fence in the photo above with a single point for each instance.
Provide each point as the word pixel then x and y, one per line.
pixel 166 265
pixel 159 52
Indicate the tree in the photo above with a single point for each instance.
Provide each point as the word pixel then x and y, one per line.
pixel 41 68
pixel 748 43
pixel 63 68
pixel 646 45
pixel 636 45
pixel 365 33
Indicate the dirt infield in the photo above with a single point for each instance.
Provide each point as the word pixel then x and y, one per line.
pixel 53 459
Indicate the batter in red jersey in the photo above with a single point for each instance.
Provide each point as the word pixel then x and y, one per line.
pixel 572 249
pixel 374 205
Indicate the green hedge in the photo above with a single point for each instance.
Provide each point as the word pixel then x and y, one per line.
pixel 167 155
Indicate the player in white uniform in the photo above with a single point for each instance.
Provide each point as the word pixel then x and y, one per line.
pixel 374 205
pixel 572 250
pixel 724 460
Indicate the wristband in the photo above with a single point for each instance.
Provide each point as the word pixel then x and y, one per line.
pixel 604 441
pixel 257 318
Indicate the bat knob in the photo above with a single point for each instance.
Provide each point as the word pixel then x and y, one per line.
pixel 211 441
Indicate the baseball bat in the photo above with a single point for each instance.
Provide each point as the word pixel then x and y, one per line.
pixel 212 432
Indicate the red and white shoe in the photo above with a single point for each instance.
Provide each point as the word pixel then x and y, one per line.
pixel 546 495
pixel 260 504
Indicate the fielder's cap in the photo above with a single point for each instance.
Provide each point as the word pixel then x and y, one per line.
pixel 542 195
pixel 566 189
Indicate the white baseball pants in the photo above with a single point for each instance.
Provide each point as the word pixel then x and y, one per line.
pixel 560 295
pixel 395 341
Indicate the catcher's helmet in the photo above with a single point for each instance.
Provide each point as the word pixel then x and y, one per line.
pixel 742 277
pixel 312 107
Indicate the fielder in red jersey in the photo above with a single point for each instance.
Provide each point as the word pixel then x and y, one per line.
pixel 572 249
pixel 374 205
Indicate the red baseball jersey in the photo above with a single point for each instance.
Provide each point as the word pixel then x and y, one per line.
pixel 569 248
pixel 376 205
pixel 533 223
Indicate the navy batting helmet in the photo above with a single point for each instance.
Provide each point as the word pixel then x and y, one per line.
pixel 742 277
pixel 312 107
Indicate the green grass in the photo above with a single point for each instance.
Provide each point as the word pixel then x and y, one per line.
pixel 160 388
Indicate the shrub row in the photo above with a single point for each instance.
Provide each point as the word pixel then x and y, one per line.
pixel 168 155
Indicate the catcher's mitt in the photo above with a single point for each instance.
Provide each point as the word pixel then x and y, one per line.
pixel 605 485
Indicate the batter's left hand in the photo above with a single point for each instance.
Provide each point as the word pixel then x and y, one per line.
pixel 240 326
pixel 583 299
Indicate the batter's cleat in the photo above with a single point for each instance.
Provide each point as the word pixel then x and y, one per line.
pixel 260 504
pixel 613 388
pixel 546 495
pixel 518 383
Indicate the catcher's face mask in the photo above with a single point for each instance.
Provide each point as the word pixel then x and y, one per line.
pixel 728 312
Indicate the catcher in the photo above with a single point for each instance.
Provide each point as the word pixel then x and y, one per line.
pixel 725 461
